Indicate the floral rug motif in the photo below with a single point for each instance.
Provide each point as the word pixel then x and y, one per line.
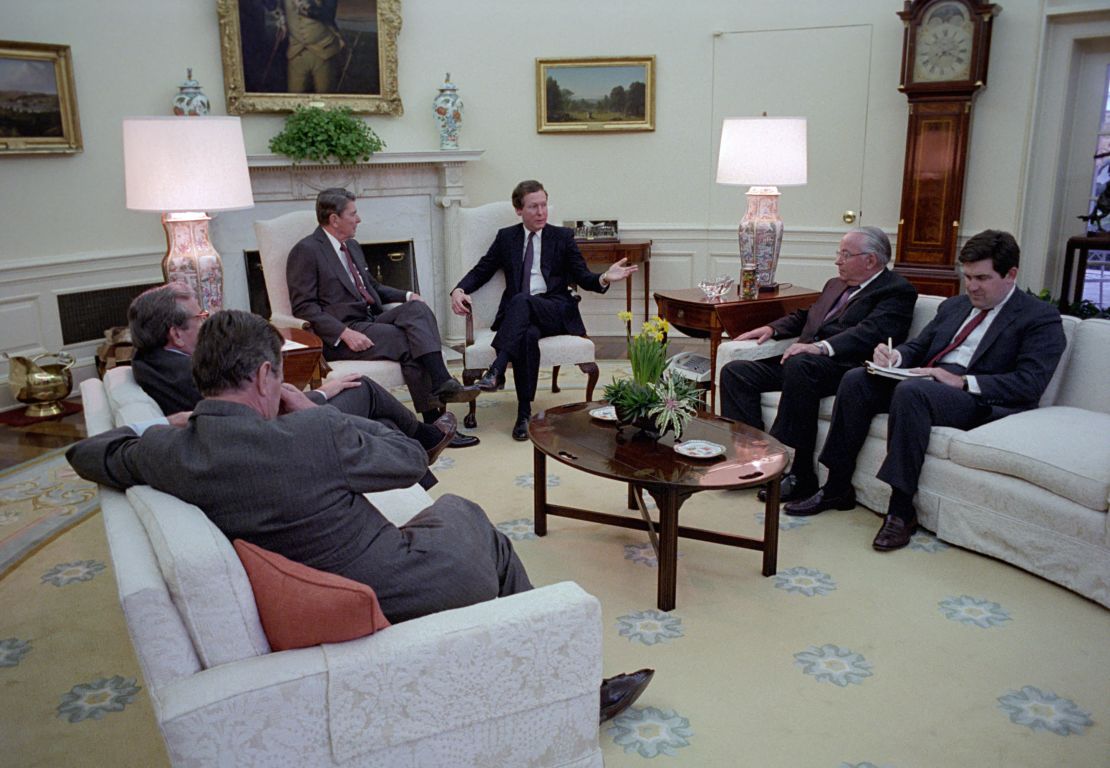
pixel 40 500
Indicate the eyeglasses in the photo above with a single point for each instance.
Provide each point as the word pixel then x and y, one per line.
pixel 845 255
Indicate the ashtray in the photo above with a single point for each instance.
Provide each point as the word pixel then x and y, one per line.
pixel 715 289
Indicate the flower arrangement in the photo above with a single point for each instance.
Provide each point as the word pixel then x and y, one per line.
pixel 651 397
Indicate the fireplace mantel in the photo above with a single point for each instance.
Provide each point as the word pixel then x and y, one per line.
pixel 385 174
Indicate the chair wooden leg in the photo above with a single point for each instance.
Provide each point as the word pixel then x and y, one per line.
pixel 469 376
pixel 592 374
pixel 555 379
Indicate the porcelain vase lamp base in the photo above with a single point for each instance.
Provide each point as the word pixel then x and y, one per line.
pixel 191 259
pixel 760 235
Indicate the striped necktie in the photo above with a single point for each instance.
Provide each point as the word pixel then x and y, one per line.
pixel 960 337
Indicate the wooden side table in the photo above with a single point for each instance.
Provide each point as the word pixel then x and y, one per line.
pixel 689 311
pixel 301 366
pixel 636 251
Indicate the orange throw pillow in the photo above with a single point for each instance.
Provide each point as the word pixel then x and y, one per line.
pixel 301 606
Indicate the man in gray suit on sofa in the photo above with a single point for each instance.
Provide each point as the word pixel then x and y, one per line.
pixel 268 466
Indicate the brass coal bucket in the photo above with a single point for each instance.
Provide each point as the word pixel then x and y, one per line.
pixel 41 385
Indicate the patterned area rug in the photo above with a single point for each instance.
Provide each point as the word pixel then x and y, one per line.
pixel 40 500
pixel 931 656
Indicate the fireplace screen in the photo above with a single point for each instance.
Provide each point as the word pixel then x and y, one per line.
pixel 392 264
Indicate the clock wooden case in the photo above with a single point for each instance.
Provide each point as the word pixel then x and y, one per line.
pixel 945 50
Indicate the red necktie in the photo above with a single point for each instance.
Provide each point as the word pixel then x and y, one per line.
pixel 355 276
pixel 529 255
pixel 960 337
pixel 841 302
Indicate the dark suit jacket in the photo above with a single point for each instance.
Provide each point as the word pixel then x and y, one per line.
pixel 881 310
pixel 561 265
pixel 167 377
pixel 321 291
pixel 1014 362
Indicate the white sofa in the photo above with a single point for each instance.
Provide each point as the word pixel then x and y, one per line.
pixel 1031 489
pixel 512 681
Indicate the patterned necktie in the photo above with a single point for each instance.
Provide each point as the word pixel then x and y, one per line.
pixel 841 302
pixel 355 276
pixel 960 337
pixel 529 255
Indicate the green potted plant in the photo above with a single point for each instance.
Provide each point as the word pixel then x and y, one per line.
pixel 653 400
pixel 325 135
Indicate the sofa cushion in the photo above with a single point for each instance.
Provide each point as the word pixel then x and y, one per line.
pixel 206 580
pixel 1088 368
pixel 1063 450
pixel 128 402
pixel 301 607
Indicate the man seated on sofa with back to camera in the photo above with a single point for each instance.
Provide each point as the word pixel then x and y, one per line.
pixel 164 322
pixel 864 304
pixel 988 353
pixel 331 287
pixel 268 466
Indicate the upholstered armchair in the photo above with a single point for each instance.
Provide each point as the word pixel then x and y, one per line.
pixel 477 228
pixel 276 237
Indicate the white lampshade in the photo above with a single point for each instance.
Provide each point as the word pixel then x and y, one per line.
pixel 763 151
pixel 185 164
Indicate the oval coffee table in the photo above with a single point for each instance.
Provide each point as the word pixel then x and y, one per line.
pixel 569 435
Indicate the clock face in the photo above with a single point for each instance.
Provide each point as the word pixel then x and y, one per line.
pixel 942 48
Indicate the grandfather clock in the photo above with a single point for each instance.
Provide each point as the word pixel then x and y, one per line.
pixel 945 48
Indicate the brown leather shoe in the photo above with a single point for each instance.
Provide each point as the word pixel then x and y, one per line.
pixel 818 503
pixel 451 391
pixel 448 425
pixel 895 533
pixel 618 693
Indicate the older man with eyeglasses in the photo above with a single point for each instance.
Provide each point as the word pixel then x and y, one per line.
pixel 865 304
pixel 164 322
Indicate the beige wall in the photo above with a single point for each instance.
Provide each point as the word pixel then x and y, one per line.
pixel 65 227
pixel 129 58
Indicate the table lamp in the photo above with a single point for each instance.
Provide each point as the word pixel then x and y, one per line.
pixel 185 167
pixel 765 153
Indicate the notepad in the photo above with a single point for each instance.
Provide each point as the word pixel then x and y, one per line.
pixel 901 374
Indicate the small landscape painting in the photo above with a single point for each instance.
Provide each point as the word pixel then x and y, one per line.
pixel 595 95
pixel 38 108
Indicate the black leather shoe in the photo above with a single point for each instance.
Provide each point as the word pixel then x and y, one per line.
pixel 618 693
pixel 791 489
pixel 520 430
pixel 448 425
pixel 895 533
pixel 463 441
pixel 492 381
pixel 451 391
pixel 818 503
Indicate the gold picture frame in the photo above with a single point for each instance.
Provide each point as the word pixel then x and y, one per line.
pixel 38 101
pixel 353 54
pixel 595 95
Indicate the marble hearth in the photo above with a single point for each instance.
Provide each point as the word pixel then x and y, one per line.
pixel 401 196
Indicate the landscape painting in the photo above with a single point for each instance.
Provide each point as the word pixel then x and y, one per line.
pixel 595 95
pixel 38 105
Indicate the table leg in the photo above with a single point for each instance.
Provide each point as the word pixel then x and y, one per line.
pixel 539 491
pixel 1069 260
pixel 771 529
pixel 647 286
pixel 628 295
pixel 714 342
pixel 668 548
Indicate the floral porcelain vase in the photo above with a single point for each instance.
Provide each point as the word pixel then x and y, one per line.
pixel 191 99
pixel 447 108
